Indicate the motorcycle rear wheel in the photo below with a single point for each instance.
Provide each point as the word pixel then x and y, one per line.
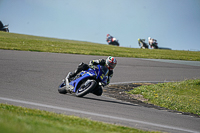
pixel 85 89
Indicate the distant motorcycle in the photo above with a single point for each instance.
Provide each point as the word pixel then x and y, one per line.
pixel 154 45
pixel 3 27
pixel 114 42
pixel 142 44
pixel 86 82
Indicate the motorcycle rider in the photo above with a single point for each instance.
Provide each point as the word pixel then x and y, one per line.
pixel 110 63
pixel 3 27
pixel 109 38
pixel 142 43
pixel 151 41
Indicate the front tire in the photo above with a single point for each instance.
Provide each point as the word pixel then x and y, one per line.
pixel 116 43
pixel 85 88
pixel 62 89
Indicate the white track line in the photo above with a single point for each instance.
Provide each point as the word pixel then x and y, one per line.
pixel 128 82
pixel 95 114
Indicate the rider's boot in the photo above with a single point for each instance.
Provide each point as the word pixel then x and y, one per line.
pixel 81 67
pixel 72 75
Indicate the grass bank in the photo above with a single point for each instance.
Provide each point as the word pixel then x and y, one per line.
pixel 13 41
pixel 182 96
pixel 15 119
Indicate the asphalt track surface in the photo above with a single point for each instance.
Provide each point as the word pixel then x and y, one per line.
pixel 31 79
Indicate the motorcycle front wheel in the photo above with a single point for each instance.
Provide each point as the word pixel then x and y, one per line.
pixel 116 43
pixel 62 88
pixel 85 88
pixel 155 47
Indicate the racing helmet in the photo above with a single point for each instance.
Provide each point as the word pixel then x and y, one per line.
pixel 149 38
pixel 108 35
pixel 111 62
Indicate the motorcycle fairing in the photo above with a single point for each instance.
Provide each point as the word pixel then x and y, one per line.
pixel 84 75
pixel 100 74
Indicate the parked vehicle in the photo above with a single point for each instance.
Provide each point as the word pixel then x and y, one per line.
pixel 85 82
pixel 3 27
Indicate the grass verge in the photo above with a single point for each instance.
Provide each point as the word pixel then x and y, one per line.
pixel 12 41
pixel 182 96
pixel 15 119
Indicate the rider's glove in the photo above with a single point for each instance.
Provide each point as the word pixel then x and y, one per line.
pixel 91 64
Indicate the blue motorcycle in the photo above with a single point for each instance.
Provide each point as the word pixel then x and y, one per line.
pixel 85 82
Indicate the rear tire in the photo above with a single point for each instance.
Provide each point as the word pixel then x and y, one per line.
pixel 83 90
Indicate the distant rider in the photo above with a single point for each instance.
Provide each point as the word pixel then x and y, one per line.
pixel 152 41
pixel 109 38
pixel 141 42
pixel 110 63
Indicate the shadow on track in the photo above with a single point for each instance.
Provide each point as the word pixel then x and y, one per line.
pixel 109 101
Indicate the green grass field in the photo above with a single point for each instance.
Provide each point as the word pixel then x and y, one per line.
pixel 182 96
pixel 15 119
pixel 13 41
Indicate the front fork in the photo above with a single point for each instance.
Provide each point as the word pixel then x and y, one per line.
pixel 66 81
